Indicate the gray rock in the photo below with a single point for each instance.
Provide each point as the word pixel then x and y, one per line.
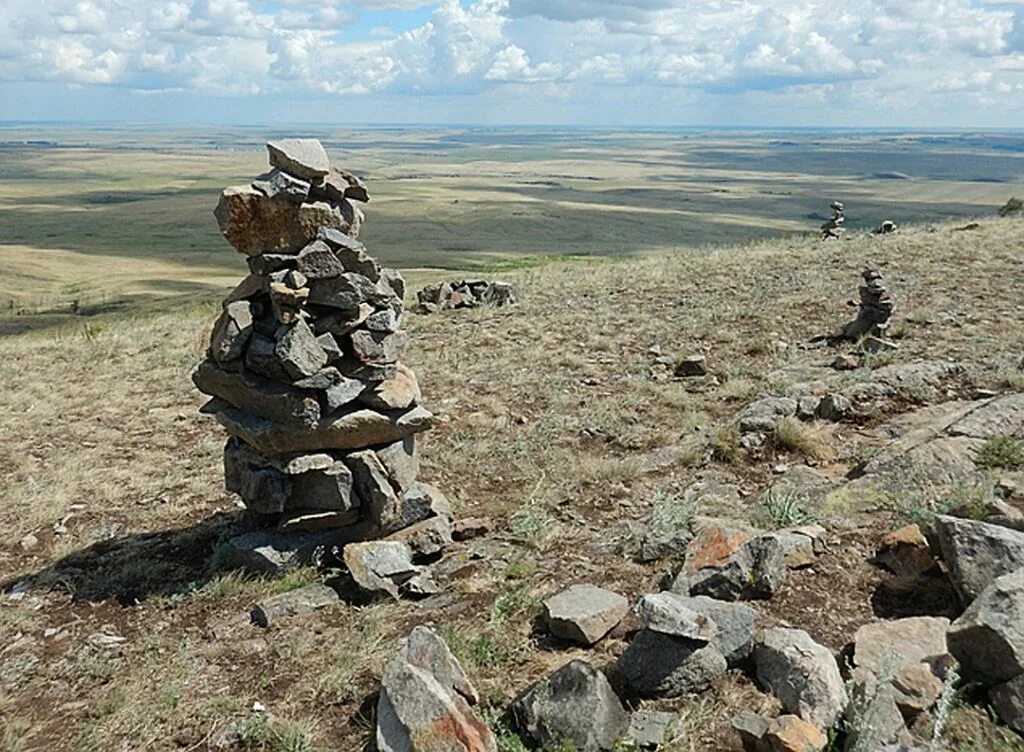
pixel 872 716
pixel 263 489
pixel 293 603
pixel 734 625
pixel 346 292
pixel 266 264
pixel 977 553
pixel 337 390
pixel 351 254
pixel 426 538
pixel 385 321
pixel 1001 416
pixel 499 294
pixel 650 729
pixel 834 407
pixel 988 638
pixel 692 365
pixel 341 322
pixel 327 489
pixel 261 358
pixel 763 415
pixel 668 613
pixel 751 729
pixel 380 566
pixel 575 704
pixel 584 613
pixel 394 279
pixel 380 502
pixel 269 552
pixel 802 674
pixel 422 501
pixel 656 664
pixel 303 157
pixel 340 184
pixel 1008 702
pixel 425 701
pixel 317 261
pixel 257 395
pixel 277 183
pixel 755 570
pixel 231 331
pixel 401 463
pixel 298 351
pixel 330 346
pixel 379 347
pixel 883 647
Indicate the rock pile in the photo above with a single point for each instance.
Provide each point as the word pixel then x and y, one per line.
pixel 466 293
pixel 876 307
pixel 885 228
pixel 833 226
pixel 303 366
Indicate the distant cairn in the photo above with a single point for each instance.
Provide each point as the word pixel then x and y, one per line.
pixel 832 229
pixel 303 366
pixel 466 293
pixel 875 312
pixel 886 227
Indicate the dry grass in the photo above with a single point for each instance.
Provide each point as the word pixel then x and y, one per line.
pixel 551 407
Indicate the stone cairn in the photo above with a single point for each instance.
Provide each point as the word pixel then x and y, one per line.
pixel 876 307
pixel 303 367
pixel 832 229
pixel 466 293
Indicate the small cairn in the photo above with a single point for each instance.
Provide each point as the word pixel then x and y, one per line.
pixel 832 229
pixel 304 365
pixel 874 314
pixel 887 227
pixel 466 293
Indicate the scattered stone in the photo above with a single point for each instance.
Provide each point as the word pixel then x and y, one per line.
pixel 802 674
pixel 977 553
pixel 917 688
pixel 846 362
pixel 692 365
pixel 872 716
pixel 294 602
pixel 426 538
pixel 425 701
pixel 834 407
pixel 988 638
pixel 576 704
pixel 755 570
pixel 764 415
pixel 884 646
pixel 650 729
pixel 751 729
pixel 380 566
pixel 788 733
pixel 905 552
pixel 668 613
pixel 28 543
pixel 1008 702
pixel 657 664
pixel 584 613
pixel 467 528
pixel 886 227
pixel 465 294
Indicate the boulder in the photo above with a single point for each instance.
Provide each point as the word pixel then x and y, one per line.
pixel 302 157
pixel 872 717
pixel 755 570
pixel 762 416
pixel 1008 702
pixel 231 331
pixel 255 224
pixel 734 625
pixel 657 664
pixel 669 614
pixel 789 733
pixel 584 613
pixel 294 602
pixel 884 646
pixel 425 702
pixel 380 566
pixel 802 674
pixel 905 552
pixel 988 638
pixel 977 553
pixel 575 704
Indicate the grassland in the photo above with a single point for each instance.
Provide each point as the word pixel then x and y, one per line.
pixel 552 415
pixel 96 220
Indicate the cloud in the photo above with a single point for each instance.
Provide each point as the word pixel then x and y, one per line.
pixel 562 48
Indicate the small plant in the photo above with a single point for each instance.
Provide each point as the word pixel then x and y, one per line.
pixel 947 700
pixel 778 509
pixel 725 445
pixel 530 521
pixel 1013 206
pixel 1003 452
pixel 670 514
pixel 796 436
pixel 508 740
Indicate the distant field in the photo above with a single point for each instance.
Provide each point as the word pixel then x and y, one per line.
pixel 97 220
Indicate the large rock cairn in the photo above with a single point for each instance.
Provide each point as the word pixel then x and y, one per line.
pixel 303 366
pixel 832 229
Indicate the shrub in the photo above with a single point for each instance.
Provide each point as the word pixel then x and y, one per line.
pixel 1003 452
pixel 1013 206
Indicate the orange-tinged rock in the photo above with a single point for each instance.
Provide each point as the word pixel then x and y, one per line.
pixel 905 552
pixel 713 546
pixel 788 733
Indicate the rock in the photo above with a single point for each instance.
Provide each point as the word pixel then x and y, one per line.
pixel 755 570
pixel 885 228
pixel 269 552
pixel 751 729
pixel 988 638
pixel 231 332
pixel 499 294
pixel 262 488
pixel 467 528
pixel 834 407
pixel 381 504
pixel 1002 416
pixel 394 279
pixel 352 254
pixel 380 566
pixel 734 625
pixel 292 603
pixel 318 261
pixel 340 184
pixel 798 544
pixel 396 393
pixel 650 729
pixel 977 553
pixel 341 322
pixel 326 489
pixel 884 646
pixel 337 390
pixel 788 733
pixel 401 463
pixel 286 302
pixel 762 416
pixel 872 718
pixel 877 345
pixel 378 347
pixel 426 538
pixel 330 346
pixel 692 365
pixel 422 501
pixel 307 522
pixel 28 543
pixel 255 224
pixel 261 358
pixel 917 688
pixel 425 702
pixel 301 157
pixel 657 664
pixel 668 613
pixel 575 704
pixel 278 183
pixel 905 552
pixel 846 362
pixel 347 292
pixel 802 674
pixel 584 613
pixel 256 395
pixel 1008 702
pixel 298 351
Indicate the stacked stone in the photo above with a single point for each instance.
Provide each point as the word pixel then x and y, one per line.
pixel 833 226
pixel 304 363
pixel 466 293
pixel 876 307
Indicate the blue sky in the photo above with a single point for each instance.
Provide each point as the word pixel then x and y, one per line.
pixel 948 63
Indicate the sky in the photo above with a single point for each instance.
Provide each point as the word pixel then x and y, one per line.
pixel 858 63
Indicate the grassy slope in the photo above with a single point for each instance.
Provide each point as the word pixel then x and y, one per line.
pixel 551 414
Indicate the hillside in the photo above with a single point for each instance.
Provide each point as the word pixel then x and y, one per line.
pixel 121 629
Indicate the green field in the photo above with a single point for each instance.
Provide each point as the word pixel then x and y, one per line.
pixel 105 219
